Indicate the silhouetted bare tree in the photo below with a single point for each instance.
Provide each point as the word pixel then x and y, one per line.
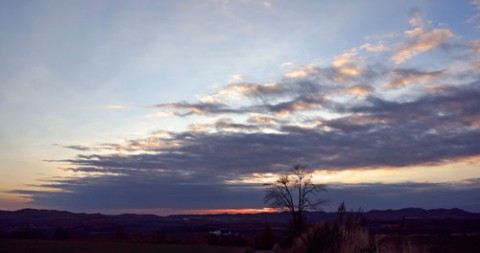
pixel 296 193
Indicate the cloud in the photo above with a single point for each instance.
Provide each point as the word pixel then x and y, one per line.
pixel 440 88
pixel 202 108
pixel 228 125
pixel 350 70
pixel 416 19
pixel 244 91
pixel 192 170
pixel 286 64
pixel 373 133
pixel 120 192
pixel 78 147
pixel 349 114
pixel 264 120
pixel 476 66
pixel 420 40
pixel 400 195
pixel 268 3
pixel 475 46
pixel 347 65
pixel 300 103
pixel 237 78
pixel 374 48
pixel 74 147
pixel 302 72
pixel 349 56
pixel 388 35
pixel 161 114
pixel 405 77
pixel 474 18
pixel 360 90
pixel 107 193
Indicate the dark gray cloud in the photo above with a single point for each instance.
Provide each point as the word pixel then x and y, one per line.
pixel 462 195
pixel 431 129
pixel 405 77
pixel 304 102
pixel 186 109
pixel 75 147
pixel 192 170
pixel 107 193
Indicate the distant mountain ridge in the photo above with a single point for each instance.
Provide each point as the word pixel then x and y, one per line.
pixel 33 223
pixel 40 215
pixel 419 213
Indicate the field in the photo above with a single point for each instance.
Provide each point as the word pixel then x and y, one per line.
pixel 49 231
pixel 51 246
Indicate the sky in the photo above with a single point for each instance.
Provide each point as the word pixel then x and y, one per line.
pixel 191 106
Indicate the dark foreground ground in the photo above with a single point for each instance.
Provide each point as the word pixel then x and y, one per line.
pixel 446 243
pixel 409 230
pixel 419 243
pixel 52 246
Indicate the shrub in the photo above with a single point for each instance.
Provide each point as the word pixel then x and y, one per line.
pixel 347 234
pixel 266 239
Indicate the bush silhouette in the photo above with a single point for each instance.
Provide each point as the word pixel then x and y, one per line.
pixel 266 239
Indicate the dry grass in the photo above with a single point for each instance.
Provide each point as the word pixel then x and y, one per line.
pixel 348 235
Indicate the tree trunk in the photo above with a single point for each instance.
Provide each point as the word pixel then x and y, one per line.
pixel 297 221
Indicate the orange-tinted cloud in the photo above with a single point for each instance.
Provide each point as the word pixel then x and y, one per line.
pixel 475 46
pixel 361 90
pixel 374 48
pixel 241 91
pixel 420 40
pixel 349 56
pixel 301 72
pixel 405 77
pixel 350 70
pixel 114 107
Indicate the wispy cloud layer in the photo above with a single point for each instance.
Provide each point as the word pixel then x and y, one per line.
pixel 420 39
pixel 476 17
pixel 114 107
